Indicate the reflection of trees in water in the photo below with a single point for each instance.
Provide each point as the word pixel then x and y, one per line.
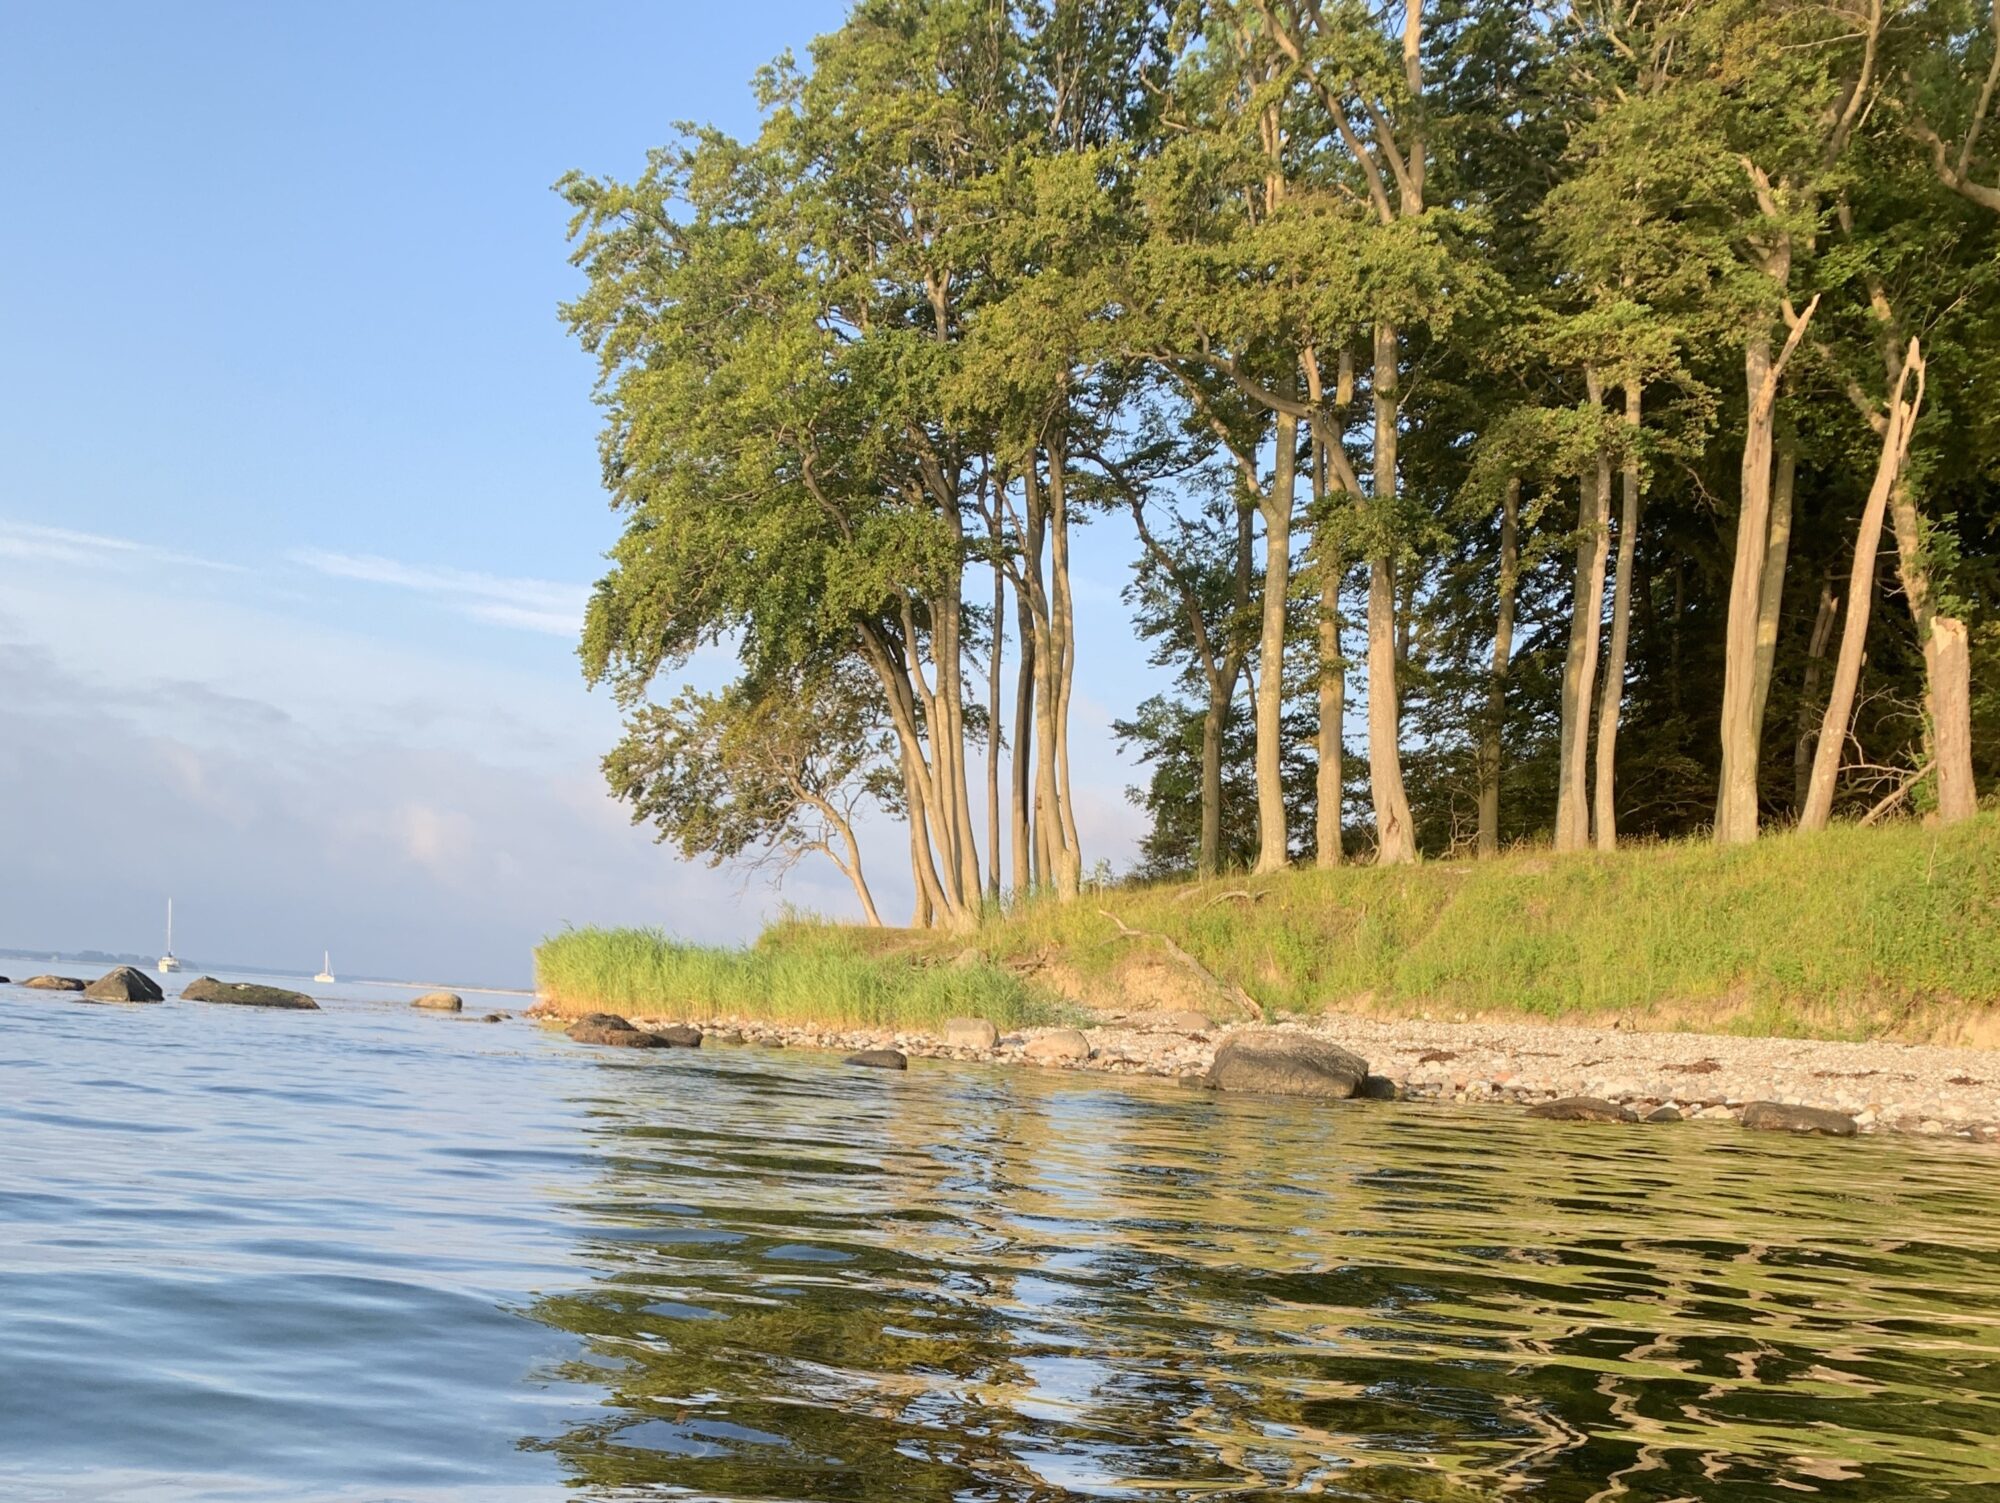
pixel 1012 1287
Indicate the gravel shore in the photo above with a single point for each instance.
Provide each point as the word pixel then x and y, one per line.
pixel 1885 1087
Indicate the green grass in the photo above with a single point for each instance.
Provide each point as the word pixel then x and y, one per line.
pixel 1890 932
pixel 835 982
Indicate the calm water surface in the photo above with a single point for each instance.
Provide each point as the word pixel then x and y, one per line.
pixel 374 1254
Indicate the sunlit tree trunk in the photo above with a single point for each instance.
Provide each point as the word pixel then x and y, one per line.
pixel 1809 703
pixel 1896 433
pixel 1947 665
pixel 1395 837
pixel 995 665
pixel 1496 679
pixel 1272 851
pixel 1586 625
pixel 1611 705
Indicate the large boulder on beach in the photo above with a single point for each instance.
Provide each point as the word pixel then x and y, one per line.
pixel 1274 1063
pixel 440 1002
pixel 1582 1109
pixel 125 984
pixel 54 983
pixel 970 1033
pixel 609 1028
pixel 1059 1046
pixel 879 1059
pixel 1775 1116
pixel 246 994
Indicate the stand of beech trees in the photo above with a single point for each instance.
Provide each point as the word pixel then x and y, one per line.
pixel 1584 412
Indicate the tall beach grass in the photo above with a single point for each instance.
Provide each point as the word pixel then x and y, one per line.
pixel 832 983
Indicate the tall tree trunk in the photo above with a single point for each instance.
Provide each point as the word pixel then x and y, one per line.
pixel 1496 680
pixel 1947 665
pixel 1023 774
pixel 1332 676
pixel 1586 627
pixel 1736 798
pixel 851 866
pixel 1395 837
pixel 1272 848
pixel 995 664
pixel 1612 703
pixel 1948 661
pixel 1896 432
pixel 1771 587
pixel 1069 875
pixel 1809 705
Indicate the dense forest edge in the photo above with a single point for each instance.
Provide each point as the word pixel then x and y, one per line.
pixel 1562 425
pixel 1848 933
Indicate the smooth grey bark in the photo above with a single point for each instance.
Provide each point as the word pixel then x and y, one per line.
pixel 1611 704
pixel 1273 851
pixel 1496 678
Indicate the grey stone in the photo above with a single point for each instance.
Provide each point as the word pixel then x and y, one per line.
pixel 246 994
pixel 1664 1114
pixel 970 1033
pixel 1776 1116
pixel 609 1028
pixel 879 1059
pixel 679 1036
pixel 1274 1063
pixel 1058 1046
pixel 1582 1109
pixel 1379 1088
pixel 440 1001
pixel 54 983
pixel 1186 1022
pixel 124 984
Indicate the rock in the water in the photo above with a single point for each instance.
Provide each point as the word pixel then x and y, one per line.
pixel 54 983
pixel 970 1033
pixel 440 1001
pixel 125 984
pixel 679 1036
pixel 1058 1046
pixel 494 1017
pixel 246 994
pixel 609 1028
pixel 1379 1088
pixel 1775 1116
pixel 5 982
pixel 1582 1109
pixel 1286 1064
pixel 1664 1114
pixel 879 1059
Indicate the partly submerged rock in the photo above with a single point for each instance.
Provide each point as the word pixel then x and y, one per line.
pixel 1379 1088
pixel 1582 1109
pixel 1275 1063
pixel 124 984
pixel 879 1059
pixel 1775 1116
pixel 54 983
pixel 680 1036
pixel 1666 1113
pixel 1059 1046
pixel 970 1033
pixel 440 1001
pixel 494 1017
pixel 609 1028
pixel 246 994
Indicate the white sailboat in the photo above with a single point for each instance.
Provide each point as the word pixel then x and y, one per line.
pixel 168 962
pixel 325 966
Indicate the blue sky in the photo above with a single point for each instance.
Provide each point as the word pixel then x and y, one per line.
pixel 298 483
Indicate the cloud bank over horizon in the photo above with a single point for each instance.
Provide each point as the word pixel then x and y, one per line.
pixel 301 769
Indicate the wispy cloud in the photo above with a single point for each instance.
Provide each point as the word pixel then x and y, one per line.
pixel 540 605
pixel 95 550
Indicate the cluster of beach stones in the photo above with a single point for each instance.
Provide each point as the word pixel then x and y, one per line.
pixel 1302 1061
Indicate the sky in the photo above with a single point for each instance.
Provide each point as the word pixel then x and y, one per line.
pixel 299 499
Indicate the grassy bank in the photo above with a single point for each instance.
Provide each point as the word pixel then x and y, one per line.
pixel 835 980
pixel 1849 934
